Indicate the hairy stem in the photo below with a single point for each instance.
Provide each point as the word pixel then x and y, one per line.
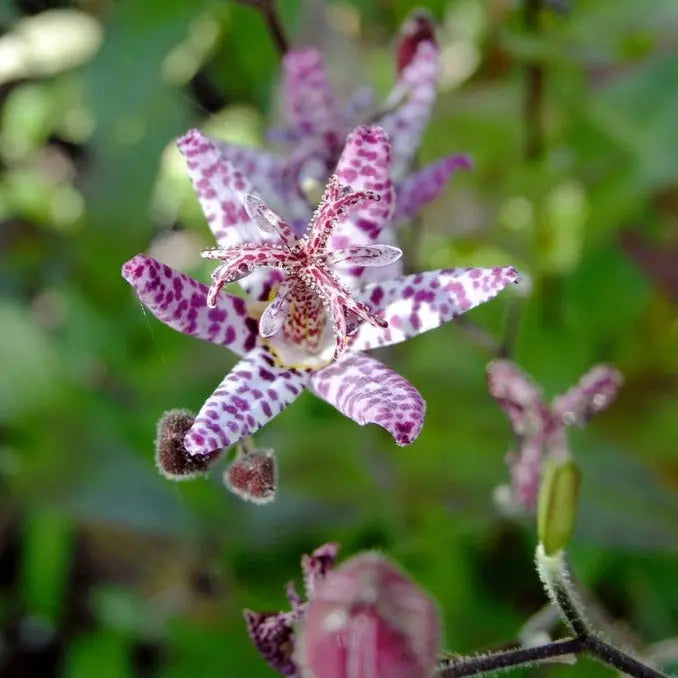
pixel 557 580
pixel 508 659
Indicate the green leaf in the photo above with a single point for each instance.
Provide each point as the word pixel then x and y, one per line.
pixel 47 554
pixel 100 654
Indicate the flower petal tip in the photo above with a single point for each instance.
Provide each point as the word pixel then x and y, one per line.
pixel 192 141
pixel 511 275
pixel 133 269
pixel 463 162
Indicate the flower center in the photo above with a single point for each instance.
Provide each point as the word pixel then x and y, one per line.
pixel 298 314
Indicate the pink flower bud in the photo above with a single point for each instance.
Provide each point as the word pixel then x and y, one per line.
pixel 252 476
pixel 368 620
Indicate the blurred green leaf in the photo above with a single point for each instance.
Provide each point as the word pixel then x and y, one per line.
pixel 100 654
pixel 48 545
pixel 623 505
pixel 30 373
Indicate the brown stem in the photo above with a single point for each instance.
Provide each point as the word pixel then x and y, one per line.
pixel 507 659
pixel 534 90
pixel 275 27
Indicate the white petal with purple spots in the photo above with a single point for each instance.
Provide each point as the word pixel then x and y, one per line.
pixel 368 392
pixel 416 92
pixel 365 165
pixel 181 303
pixel 309 98
pixel 221 190
pixel 418 303
pixel 252 394
pixel 266 171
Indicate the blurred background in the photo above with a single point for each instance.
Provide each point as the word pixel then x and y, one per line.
pixel 109 570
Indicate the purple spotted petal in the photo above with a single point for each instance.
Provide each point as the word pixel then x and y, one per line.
pixel 221 190
pixel 518 396
pixel 420 302
pixel 253 393
pixel 416 94
pixel 368 392
pixel 181 303
pixel 423 186
pixel 266 171
pixel 594 392
pixel 364 165
pixel 308 97
pixel 525 467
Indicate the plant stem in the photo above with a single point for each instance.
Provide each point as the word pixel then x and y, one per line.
pixel 506 659
pixel 557 580
pixel 275 26
pixel 623 662
pixel 534 92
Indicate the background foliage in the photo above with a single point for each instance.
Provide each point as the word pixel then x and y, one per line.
pixel 108 570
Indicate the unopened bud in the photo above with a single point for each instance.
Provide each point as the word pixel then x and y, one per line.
pixel 171 456
pixel 557 507
pixel 253 476
pixel 368 619
pixel 416 29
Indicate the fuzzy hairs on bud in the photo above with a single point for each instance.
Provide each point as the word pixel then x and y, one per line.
pixel 171 457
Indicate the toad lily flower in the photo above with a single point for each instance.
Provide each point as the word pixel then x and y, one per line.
pixel 540 428
pixel 318 127
pixel 315 326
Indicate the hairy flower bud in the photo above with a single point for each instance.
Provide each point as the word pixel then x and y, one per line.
pixel 253 476
pixel 171 457
pixel 367 619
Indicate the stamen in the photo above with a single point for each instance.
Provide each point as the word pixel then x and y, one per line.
pixel 310 291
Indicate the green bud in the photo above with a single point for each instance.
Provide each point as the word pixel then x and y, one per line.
pixel 557 506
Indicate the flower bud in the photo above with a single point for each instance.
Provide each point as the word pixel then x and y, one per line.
pixel 171 457
pixel 367 620
pixel 253 476
pixel 417 29
pixel 557 508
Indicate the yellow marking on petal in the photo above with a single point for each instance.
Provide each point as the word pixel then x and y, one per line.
pixel 255 309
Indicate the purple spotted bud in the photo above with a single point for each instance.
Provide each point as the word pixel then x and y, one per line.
pixel 253 476
pixel 367 620
pixel 171 457
pixel 417 29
